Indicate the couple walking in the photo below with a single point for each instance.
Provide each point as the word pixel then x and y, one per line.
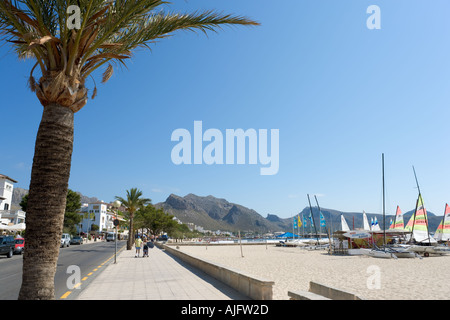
pixel 139 243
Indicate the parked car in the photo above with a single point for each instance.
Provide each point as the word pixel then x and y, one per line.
pixel 76 240
pixel 111 236
pixel 7 246
pixel 163 237
pixel 65 240
pixel 19 245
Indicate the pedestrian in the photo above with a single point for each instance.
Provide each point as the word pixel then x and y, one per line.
pixel 145 250
pixel 138 244
pixel 151 242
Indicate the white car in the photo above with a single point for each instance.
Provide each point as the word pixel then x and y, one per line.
pixel 65 240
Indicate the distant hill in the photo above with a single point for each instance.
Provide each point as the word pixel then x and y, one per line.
pixel 213 213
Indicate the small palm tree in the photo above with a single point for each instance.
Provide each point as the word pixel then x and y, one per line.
pixel 66 55
pixel 133 202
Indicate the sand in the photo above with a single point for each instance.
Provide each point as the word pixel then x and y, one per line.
pixel 370 278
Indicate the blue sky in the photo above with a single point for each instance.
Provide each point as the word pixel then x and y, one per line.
pixel 339 93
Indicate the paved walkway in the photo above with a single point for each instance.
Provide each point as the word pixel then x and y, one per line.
pixel 158 277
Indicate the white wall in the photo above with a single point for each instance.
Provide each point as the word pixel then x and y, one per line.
pixel 6 191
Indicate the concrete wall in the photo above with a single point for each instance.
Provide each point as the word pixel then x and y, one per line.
pixel 318 291
pixel 331 293
pixel 254 288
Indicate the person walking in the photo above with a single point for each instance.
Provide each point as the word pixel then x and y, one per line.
pixel 138 244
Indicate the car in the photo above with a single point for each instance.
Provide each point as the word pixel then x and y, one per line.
pixel 19 245
pixel 7 246
pixel 111 236
pixel 76 240
pixel 163 237
pixel 65 240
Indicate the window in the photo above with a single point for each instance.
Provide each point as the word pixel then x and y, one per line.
pixel 6 206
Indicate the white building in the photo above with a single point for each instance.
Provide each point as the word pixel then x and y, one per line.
pixel 7 216
pixel 6 191
pixel 96 213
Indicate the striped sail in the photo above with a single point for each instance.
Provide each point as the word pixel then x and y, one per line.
pixel 443 231
pixel 418 223
pixel 398 222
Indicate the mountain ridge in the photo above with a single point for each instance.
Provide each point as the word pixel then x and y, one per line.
pixel 213 213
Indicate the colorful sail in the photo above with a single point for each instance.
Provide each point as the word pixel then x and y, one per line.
pixel 299 221
pixel 295 222
pixel 398 222
pixel 376 226
pixel 322 220
pixel 443 231
pixel 418 224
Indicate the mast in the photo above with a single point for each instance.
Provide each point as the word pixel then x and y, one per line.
pixel 312 218
pixel 423 208
pixel 384 224
pixel 293 225
pixel 320 211
pixel 303 226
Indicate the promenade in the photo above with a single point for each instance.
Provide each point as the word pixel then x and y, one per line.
pixel 157 277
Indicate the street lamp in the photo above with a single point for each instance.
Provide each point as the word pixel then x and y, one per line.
pixel 116 205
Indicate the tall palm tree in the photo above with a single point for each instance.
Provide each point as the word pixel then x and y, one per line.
pixel 133 202
pixel 66 54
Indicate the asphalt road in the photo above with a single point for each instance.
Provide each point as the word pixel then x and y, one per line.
pixel 77 266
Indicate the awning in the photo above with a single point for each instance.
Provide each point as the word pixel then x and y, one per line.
pixel 15 227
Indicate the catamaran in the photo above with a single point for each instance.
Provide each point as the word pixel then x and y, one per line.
pixel 420 235
pixel 443 231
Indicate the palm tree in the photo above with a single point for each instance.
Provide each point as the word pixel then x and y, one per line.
pixel 133 202
pixel 67 54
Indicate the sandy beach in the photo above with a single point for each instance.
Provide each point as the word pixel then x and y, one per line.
pixel 370 278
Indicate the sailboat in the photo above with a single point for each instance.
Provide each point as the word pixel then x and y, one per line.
pixel 375 225
pixel 344 225
pixel 398 221
pixel 375 251
pixel 366 225
pixel 443 231
pixel 418 226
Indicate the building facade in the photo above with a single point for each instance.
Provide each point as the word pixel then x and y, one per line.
pixel 9 217
pixel 97 213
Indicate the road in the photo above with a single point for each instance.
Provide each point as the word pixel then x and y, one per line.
pixel 77 264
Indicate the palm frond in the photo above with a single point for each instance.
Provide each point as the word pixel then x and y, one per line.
pixel 110 31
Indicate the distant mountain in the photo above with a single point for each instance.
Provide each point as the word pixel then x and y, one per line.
pixel 17 195
pixel 213 213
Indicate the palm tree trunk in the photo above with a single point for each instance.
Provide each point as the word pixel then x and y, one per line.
pixel 131 233
pixel 47 201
